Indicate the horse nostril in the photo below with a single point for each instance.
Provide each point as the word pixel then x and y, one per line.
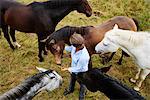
pixel 59 64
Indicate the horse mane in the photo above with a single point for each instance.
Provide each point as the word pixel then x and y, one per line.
pixel 135 38
pixel 65 33
pixel 20 90
pixel 55 3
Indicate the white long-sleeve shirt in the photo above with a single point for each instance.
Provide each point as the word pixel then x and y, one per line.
pixel 80 59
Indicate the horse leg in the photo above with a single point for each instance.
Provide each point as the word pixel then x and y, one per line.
pixel 111 56
pixel 120 60
pixel 6 35
pixel 0 33
pixel 41 46
pixel 104 59
pixel 133 80
pixel 44 49
pixel 123 54
pixel 143 75
pixel 12 34
pixel 90 64
pixel 41 59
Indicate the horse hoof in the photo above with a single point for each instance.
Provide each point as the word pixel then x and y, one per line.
pixel 17 45
pixel 45 53
pixel 41 60
pixel 12 47
pixel 136 88
pixel 103 62
pixel 132 80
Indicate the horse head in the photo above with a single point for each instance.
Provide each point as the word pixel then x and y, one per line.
pixel 84 7
pixel 107 44
pixel 56 48
pixel 91 78
pixel 45 80
pixel 51 80
pixel 55 42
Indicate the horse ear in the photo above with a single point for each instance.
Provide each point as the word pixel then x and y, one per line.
pixel 115 26
pixel 52 41
pixel 41 69
pixel 105 69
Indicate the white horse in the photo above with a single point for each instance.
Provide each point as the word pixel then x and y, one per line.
pixel 45 80
pixel 136 44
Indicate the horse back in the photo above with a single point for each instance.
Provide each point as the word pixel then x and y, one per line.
pixel 123 22
pixel 20 18
pixel 98 32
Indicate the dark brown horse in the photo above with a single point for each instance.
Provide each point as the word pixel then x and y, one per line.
pixel 41 18
pixel 5 5
pixel 96 79
pixel 92 35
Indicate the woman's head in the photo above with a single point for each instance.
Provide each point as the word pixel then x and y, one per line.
pixel 77 40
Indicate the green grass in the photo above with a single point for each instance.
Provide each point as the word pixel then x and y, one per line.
pixel 17 65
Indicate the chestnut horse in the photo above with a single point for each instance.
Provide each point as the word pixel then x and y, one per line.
pixel 41 18
pixel 91 34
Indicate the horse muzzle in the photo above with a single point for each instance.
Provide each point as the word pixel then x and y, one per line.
pixel 88 14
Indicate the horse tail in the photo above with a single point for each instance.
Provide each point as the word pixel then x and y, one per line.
pixel 136 23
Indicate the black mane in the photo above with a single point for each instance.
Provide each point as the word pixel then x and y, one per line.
pixel 24 87
pixel 65 33
pixel 55 3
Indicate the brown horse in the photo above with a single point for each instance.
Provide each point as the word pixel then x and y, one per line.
pixel 92 35
pixel 41 18
pixel 5 5
pixel 96 79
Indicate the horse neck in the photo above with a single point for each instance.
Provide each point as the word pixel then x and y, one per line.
pixel 60 8
pixel 33 90
pixel 27 90
pixel 70 31
pixel 58 15
pixel 123 40
pixel 114 89
pixel 18 93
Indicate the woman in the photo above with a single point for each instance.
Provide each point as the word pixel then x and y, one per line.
pixel 80 60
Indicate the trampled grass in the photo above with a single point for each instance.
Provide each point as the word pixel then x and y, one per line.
pixel 17 65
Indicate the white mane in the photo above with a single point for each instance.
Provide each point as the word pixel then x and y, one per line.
pixel 134 38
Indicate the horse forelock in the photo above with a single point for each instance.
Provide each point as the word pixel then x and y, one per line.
pixel 22 89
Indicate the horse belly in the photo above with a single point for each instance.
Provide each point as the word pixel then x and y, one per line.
pixel 20 19
pixel 142 57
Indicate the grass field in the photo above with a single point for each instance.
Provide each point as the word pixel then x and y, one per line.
pixel 17 65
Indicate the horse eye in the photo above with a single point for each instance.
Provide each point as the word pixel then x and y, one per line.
pixel 105 44
pixel 52 77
